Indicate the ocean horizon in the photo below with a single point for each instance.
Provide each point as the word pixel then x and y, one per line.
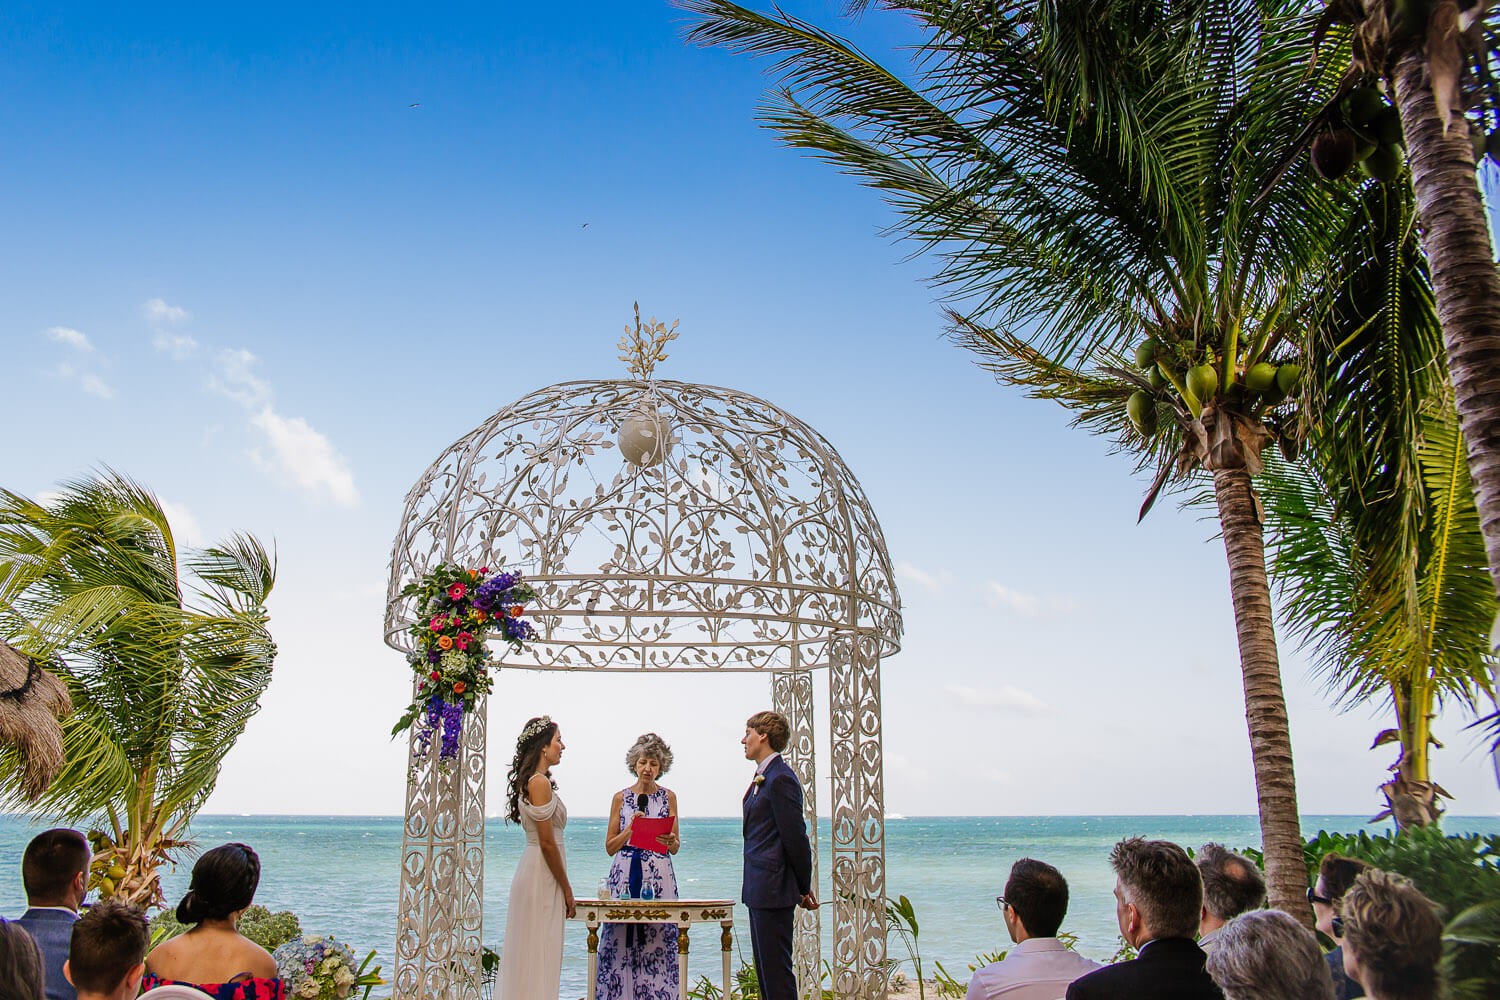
pixel 341 874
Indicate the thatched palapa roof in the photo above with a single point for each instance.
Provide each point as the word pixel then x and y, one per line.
pixel 32 704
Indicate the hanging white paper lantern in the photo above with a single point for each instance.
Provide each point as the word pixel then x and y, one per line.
pixel 644 437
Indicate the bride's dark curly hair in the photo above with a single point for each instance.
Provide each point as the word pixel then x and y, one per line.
pixel 535 735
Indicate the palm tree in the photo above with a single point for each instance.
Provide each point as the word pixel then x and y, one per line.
pixel 1435 58
pixel 1377 549
pixel 1087 172
pixel 162 679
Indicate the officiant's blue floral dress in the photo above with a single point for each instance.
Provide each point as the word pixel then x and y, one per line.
pixel 639 961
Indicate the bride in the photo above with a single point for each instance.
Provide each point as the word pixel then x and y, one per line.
pixel 540 895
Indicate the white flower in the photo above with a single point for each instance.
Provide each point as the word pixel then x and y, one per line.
pixel 309 989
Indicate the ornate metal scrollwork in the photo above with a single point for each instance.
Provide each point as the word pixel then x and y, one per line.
pixel 748 546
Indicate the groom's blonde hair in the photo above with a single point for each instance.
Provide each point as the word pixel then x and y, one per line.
pixel 773 726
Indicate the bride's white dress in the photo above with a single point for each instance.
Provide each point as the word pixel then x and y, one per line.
pixel 531 956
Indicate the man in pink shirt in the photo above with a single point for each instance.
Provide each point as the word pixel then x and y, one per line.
pixel 1039 967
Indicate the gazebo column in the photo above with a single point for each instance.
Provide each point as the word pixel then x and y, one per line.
pixel 792 696
pixel 442 871
pixel 858 815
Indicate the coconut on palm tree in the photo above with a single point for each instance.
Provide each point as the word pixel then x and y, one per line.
pixel 163 671
pixel 1087 173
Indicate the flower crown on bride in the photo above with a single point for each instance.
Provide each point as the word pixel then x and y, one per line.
pixel 535 728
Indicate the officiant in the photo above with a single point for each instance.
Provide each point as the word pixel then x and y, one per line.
pixel 639 961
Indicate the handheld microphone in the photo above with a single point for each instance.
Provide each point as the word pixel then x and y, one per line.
pixel 640 802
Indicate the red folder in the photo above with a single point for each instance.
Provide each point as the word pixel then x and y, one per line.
pixel 646 829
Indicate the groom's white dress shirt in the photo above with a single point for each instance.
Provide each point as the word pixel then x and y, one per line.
pixel 1035 969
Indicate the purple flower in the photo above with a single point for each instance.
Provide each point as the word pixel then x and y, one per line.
pixel 453 719
pixel 429 726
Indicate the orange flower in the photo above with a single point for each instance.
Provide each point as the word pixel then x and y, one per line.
pixel 460 687
pixel 517 611
pixel 445 642
pixel 479 617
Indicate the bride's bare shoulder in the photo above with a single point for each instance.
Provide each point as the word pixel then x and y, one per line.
pixel 539 790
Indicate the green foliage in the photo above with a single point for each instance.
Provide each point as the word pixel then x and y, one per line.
pixel 267 929
pixel 1374 539
pixel 164 670
pixel 1459 873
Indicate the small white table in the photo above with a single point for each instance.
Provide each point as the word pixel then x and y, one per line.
pixel 682 912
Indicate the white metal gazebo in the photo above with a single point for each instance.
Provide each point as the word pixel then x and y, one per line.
pixel 665 526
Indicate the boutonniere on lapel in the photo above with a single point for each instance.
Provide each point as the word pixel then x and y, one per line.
pixel 760 779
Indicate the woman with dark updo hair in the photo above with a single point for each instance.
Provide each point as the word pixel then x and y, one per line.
pixel 213 955
pixel 541 896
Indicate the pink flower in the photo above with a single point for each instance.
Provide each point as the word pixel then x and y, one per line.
pixel 462 642
pixel 457 591
pixel 438 622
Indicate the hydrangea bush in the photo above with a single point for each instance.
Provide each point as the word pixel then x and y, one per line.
pixel 267 929
pixel 322 968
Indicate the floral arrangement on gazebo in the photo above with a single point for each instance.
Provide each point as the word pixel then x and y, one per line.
pixel 457 611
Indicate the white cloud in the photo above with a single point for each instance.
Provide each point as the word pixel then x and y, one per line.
pixel 96 386
pixel 185 527
pixel 927 581
pixel 87 381
pixel 304 457
pixel 1005 699
pixel 292 450
pixel 997 595
pixel 71 337
pixel 177 346
pixel 157 311
pixel 233 378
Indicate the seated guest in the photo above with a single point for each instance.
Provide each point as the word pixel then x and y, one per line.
pixel 55 875
pixel 1231 885
pixel 21 976
pixel 1393 938
pixel 108 955
pixel 1336 874
pixel 1158 899
pixel 1040 966
pixel 213 956
pixel 1267 955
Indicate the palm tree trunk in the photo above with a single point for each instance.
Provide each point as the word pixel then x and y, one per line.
pixel 1465 282
pixel 1265 705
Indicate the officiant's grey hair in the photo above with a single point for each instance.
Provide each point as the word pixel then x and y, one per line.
pixel 649 745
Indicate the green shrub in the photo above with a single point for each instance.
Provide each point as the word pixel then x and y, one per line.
pixel 1459 873
pixel 267 929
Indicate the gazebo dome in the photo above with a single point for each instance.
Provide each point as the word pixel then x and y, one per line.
pixel 664 525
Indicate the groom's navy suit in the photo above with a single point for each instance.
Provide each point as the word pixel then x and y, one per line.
pixel 778 873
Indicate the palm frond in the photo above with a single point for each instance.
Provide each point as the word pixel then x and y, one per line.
pixel 161 689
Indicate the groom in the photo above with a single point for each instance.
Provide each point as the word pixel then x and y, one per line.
pixel 778 857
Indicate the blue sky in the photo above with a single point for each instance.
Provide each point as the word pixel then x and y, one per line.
pixel 241 266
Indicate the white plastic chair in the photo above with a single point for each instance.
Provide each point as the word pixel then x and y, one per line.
pixel 175 991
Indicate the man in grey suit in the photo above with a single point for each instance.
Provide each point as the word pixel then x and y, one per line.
pixel 778 855
pixel 55 874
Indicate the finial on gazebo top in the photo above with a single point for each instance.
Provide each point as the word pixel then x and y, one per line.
pixel 642 347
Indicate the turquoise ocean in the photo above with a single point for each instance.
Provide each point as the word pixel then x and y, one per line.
pixel 340 874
